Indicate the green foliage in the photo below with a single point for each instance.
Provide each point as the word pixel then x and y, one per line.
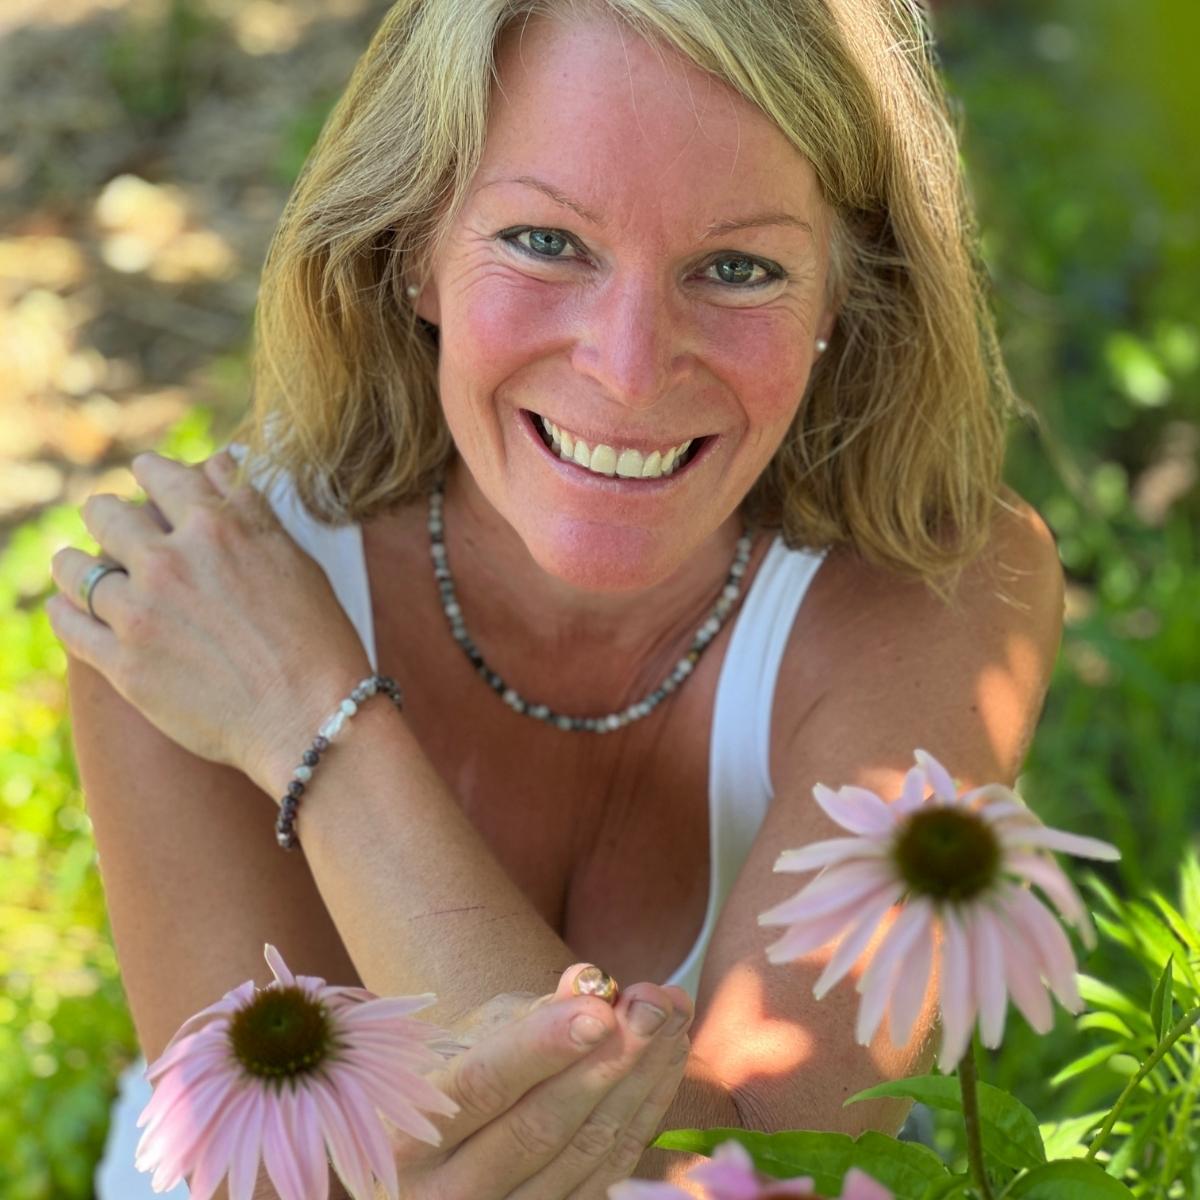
pixel 1010 1131
pixel 64 1027
pixel 65 1030
pixel 1078 117
pixel 911 1171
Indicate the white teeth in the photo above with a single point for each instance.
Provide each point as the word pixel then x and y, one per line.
pixel 630 464
pixel 606 460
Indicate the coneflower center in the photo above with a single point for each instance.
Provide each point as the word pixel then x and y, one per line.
pixel 283 1031
pixel 947 854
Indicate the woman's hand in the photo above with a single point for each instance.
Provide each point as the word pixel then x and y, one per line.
pixel 224 634
pixel 542 1117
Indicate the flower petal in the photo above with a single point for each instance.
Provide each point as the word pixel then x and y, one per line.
pixel 202 1026
pixel 875 984
pixel 278 967
pixel 859 1186
pixel 169 1143
pixel 869 914
pixel 389 1008
pixel 1022 970
pixel 1043 837
pixel 856 809
pixel 1049 876
pixel 1046 936
pixel 363 1118
pixel 247 1150
pixel 912 794
pixel 280 1134
pixel 832 889
pixel 215 1156
pixel 349 1159
pixel 938 776
pixel 957 1000
pixel 729 1174
pixel 830 852
pixel 912 981
pixel 398 1095
pixel 990 987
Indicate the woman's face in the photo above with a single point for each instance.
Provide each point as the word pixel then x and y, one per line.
pixel 627 310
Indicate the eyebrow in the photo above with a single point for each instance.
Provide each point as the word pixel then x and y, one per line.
pixel 714 230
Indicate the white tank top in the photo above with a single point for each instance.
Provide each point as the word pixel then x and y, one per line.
pixel 739 786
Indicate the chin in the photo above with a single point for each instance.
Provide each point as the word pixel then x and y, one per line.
pixel 598 557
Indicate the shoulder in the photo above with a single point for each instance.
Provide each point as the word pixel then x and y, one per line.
pixel 865 631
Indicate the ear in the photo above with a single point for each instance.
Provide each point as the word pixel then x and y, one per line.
pixel 426 304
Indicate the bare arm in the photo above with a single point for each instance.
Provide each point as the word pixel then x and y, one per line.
pixel 195 839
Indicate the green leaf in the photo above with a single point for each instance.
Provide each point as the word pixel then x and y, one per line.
pixel 1189 888
pixel 1161 1001
pixel 1068 1179
pixel 1103 995
pixel 1009 1129
pixel 1185 932
pixel 905 1168
pixel 1093 1058
pixel 948 1188
pixel 1107 1021
pixel 1065 1139
pixel 1130 1150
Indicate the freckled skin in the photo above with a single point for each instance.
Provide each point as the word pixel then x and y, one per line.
pixel 631 326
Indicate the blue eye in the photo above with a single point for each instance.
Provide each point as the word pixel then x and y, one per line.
pixel 542 241
pixel 549 244
pixel 747 266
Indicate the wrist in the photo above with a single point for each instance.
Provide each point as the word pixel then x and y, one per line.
pixel 282 743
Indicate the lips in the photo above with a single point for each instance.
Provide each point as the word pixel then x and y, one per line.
pixel 615 460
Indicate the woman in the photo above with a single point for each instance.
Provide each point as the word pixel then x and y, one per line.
pixel 659 237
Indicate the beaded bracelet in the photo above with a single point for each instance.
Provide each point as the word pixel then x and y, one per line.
pixel 285 833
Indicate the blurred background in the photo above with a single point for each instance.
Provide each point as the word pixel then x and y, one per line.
pixel 146 150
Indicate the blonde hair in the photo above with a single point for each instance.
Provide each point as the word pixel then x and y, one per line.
pixel 897 447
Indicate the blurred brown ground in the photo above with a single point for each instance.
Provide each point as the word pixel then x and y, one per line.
pixel 146 150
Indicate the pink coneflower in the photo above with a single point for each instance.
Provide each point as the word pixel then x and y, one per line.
pixel 962 866
pixel 730 1175
pixel 282 1071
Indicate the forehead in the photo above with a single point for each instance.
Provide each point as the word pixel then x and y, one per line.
pixel 632 128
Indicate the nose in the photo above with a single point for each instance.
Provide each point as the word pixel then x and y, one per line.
pixel 631 342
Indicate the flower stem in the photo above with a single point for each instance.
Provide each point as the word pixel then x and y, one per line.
pixel 1175 1033
pixel 968 1081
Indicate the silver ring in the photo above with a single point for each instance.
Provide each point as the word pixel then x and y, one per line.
pixel 93 577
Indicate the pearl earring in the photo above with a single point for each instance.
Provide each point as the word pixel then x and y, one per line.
pixel 412 291
pixel 822 345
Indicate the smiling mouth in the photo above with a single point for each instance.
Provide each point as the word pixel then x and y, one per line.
pixel 608 461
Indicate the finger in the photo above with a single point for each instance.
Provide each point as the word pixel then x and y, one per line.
pixel 487 1079
pixel 646 1124
pixel 69 568
pixel 122 527
pixel 82 637
pixel 614 1135
pixel 221 471
pixel 538 1126
pixel 173 486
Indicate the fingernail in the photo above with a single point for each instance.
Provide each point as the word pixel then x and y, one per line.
pixel 678 1021
pixel 645 1018
pixel 587 1031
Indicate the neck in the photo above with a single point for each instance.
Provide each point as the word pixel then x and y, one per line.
pixel 575 649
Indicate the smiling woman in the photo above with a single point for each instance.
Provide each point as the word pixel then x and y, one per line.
pixel 625 368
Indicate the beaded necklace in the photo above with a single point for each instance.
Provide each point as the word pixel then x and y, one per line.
pixel 542 712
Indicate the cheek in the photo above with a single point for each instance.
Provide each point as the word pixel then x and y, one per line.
pixel 761 360
pixel 498 329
